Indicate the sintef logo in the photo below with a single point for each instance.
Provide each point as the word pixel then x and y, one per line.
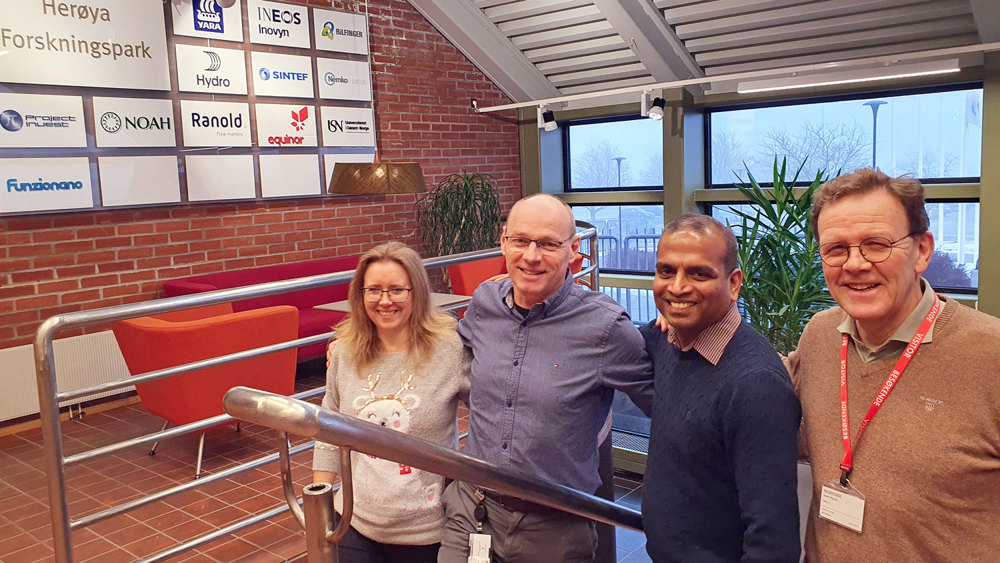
pixel 266 74
pixel 11 120
pixel 208 16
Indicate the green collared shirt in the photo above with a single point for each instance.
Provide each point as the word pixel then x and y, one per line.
pixel 898 340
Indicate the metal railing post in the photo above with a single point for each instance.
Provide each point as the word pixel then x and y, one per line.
pixel 317 503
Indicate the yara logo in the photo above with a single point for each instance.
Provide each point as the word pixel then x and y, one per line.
pixel 299 118
pixel 208 16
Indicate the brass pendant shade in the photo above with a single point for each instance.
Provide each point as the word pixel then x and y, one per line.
pixel 377 178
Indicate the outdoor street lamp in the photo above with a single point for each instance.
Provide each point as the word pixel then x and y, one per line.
pixel 874 104
pixel 619 159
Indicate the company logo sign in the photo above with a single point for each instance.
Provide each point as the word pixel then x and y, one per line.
pixel 208 16
pixel 348 127
pixel 11 120
pixel 282 75
pixel 343 32
pixel 275 15
pixel 344 80
pixel 13 185
pixel 285 125
pixel 112 122
pixel 43 184
pixel 272 23
pixel 217 71
pixel 215 123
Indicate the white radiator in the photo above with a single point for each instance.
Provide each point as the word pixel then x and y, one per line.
pixel 80 361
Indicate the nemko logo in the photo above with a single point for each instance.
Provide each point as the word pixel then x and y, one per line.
pixel 266 74
pixel 331 79
pixel 208 16
pixel 112 122
pixel 41 186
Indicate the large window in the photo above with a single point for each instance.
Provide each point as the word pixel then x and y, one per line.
pixel 618 153
pixel 935 135
pixel 626 235
pixel 955 226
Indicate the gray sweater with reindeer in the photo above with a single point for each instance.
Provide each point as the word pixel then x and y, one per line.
pixel 394 503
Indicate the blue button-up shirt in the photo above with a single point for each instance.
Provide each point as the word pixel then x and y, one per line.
pixel 542 384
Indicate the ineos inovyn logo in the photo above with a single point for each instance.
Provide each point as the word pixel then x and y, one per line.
pixel 11 120
pixel 264 74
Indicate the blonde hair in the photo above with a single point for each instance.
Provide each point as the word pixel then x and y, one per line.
pixel 427 323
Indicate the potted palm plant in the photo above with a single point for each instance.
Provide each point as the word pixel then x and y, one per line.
pixel 783 277
pixel 460 214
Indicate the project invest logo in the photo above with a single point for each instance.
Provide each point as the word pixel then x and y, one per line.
pixel 11 120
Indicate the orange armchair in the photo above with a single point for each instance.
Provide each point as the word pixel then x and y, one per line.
pixel 466 276
pixel 171 339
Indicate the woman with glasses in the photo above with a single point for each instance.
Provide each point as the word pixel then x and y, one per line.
pixel 397 363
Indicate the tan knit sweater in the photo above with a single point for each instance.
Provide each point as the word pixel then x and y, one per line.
pixel 929 463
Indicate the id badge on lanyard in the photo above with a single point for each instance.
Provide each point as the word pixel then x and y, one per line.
pixel 840 501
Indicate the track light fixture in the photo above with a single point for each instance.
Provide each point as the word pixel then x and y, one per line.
pixel 546 119
pixel 656 110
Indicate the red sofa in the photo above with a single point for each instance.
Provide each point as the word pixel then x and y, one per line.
pixel 311 321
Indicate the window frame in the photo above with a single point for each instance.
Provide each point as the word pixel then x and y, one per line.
pixel 567 173
pixel 805 100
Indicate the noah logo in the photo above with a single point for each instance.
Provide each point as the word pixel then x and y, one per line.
pixel 299 118
pixel 208 16
pixel 214 61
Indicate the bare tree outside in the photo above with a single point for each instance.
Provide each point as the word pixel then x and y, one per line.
pixel 652 170
pixel 597 168
pixel 728 156
pixel 826 146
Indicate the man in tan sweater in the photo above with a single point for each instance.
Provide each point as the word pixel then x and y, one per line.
pixel 921 482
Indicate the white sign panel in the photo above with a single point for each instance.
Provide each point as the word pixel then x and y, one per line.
pixel 100 43
pixel 271 23
pixel 208 19
pixel 331 160
pixel 44 184
pixel 344 80
pixel 286 125
pixel 215 124
pixel 211 177
pixel 211 69
pixel 134 122
pixel 343 32
pixel 283 175
pixel 27 120
pixel 348 127
pixel 138 180
pixel 282 75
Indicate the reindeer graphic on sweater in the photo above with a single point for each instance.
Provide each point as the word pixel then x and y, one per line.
pixel 387 483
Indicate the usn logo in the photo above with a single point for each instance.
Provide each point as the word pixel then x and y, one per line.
pixel 299 118
pixel 11 120
pixel 208 16
pixel 266 74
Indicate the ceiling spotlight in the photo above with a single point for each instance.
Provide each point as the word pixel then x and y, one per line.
pixel 656 109
pixel 549 121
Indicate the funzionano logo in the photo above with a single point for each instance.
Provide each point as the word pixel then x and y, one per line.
pixel 41 186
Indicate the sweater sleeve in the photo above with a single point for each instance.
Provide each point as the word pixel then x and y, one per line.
pixel 326 457
pixel 761 426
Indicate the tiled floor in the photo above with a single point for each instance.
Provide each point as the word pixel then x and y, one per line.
pixel 25 532
pixel 631 545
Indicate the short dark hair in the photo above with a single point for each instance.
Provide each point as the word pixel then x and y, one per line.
pixel 706 224
pixel 906 189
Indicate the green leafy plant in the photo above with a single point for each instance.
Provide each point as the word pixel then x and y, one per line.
pixel 783 283
pixel 460 214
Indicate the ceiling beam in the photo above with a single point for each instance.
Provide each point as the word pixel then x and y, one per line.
pixel 643 28
pixel 987 19
pixel 468 29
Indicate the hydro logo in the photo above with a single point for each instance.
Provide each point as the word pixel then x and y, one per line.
pixel 299 118
pixel 208 16
pixel 11 120
pixel 214 64
pixel 214 61
pixel 266 74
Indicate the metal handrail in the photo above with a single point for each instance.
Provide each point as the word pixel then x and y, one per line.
pixel 49 397
pixel 312 421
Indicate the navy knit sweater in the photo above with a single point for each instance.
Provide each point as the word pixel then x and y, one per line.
pixel 720 481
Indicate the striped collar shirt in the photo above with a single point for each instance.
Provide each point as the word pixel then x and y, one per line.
pixel 712 341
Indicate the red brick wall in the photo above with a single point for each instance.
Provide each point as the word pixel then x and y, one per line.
pixel 56 263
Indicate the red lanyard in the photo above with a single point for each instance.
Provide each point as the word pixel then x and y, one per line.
pixel 890 382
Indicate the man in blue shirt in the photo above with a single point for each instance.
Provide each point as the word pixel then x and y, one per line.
pixel 547 357
pixel 720 481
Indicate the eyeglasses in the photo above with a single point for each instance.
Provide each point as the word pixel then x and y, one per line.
pixel 396 294
pixel 543 245
pixel 873 249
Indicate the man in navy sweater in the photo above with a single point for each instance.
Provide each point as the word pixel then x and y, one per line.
pixel 720 481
